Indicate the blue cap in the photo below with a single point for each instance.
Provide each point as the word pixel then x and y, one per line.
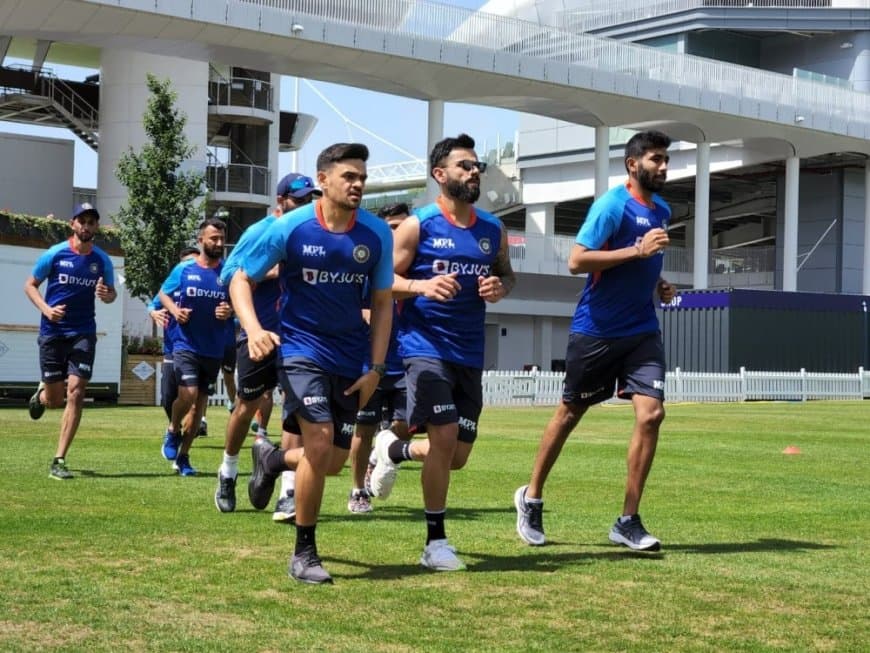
pixel 296 185
pixel 85 207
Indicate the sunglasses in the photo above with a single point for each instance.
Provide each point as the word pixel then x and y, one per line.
pixel 468 165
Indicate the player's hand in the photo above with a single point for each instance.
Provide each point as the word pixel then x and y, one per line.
pixel 104 293
pixel 441 288
pixel 160 317
pixel 182 315
pixel 653 241
pixel 666 291
pixel 491 289
pixel 56 312
pixel 262 343
pixel 223 311
pixel 366 386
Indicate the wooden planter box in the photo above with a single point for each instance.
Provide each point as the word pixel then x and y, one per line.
pixel 134 390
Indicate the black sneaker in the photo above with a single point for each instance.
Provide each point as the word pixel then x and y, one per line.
pixel 225 495
pixel 203 430
pixel 530 518
pixel 262 483
pixel 306 567
pixel 35 407
pixel 633 535
pixel 59 470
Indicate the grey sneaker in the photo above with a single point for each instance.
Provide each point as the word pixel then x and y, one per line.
pixel 384 474
pixel 633 535
pixel 35 407
pixel 285 508
pixel 225 495
pixel 306 567
pixel 530 518
pixel 358 502
pixel 59 470
pixel 262 483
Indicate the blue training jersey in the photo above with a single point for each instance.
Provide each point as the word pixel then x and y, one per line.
pixel 393 361
pixel 155 305
pixel 192 286
pixel 453 330
pixel 322 278
pixel 72 281
pixel 267 293
pixel 618 302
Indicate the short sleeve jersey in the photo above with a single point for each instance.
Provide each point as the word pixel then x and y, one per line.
pixel 453 330
pixel 199 288
pixel 322 278
pixel 72 281
pixel 618 302
pixel 169 328
pixel 267 294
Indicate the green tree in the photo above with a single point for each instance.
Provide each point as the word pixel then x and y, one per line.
pixel 164 205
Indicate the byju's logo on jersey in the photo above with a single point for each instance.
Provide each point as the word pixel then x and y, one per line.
pixel 193 291
pixel 72 280
pixel 314 277
pixel 313 250
pixel 485 245
pixel 443 243
pixel 361 253
pixel 440 266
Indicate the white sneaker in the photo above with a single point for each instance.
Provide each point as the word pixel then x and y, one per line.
pixel 384 473
pixel 438 555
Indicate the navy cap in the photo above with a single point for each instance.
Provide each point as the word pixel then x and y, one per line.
pixel 85 207
pixel 296 185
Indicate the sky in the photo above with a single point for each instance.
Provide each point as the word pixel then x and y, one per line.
pixel 401 122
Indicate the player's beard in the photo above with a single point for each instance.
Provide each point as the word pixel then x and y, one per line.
pixel 649 181
pixel 463 192
pixel 212 253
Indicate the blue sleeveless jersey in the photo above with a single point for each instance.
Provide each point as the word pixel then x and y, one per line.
pixel 267 294
pixel 452 330
pixel 322 278
pixel 72 280
pixel 618 302
pixel 193 286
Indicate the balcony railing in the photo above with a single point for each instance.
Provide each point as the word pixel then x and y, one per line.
pixel 241 92
pixel 239 178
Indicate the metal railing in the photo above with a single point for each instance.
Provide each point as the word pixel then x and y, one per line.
pixel 437 23
pixel 239 178
pixel 599 14
pixel 241 92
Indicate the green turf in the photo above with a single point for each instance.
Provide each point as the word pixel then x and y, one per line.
pixel 761 551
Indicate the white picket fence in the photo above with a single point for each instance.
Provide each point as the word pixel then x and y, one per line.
pixel 502 388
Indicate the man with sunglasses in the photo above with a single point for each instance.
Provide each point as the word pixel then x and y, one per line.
pixel 449 259
pixel 258 379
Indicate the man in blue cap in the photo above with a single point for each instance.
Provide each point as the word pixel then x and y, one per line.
pixel 77 272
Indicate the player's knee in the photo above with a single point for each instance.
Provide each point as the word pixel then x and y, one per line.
pixel 652 418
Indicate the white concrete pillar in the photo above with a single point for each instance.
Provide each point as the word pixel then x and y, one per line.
pixel 540 226
pixel 435 132
pixel 602 160
pixel 546 343
pixel 701 243
pixel 123 100
pixel 866 284
pixel 790 231
pixel 275 172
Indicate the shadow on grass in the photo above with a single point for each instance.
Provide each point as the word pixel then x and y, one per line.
pixel 415 514
pixel 761 545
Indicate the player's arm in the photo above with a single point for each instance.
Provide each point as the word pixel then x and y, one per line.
pixel 406 239
pixel 502 280
pixel 105 288
pixel 170 285
pixel 666 291
pixel 31 289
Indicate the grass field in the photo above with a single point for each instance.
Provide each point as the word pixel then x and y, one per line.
pixel 761 551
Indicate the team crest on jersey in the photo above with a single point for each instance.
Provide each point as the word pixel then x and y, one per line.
pixel 94 268
pixel 440 266
pixel 219 281
pixel 485 245
pixel 361 253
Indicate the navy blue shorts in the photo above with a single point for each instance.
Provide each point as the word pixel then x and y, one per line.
pixel 255 377
pixel 63 356
pixel 440 392
pixel 168 386
pixel 228 362
pixel 387 403
pixel 594 366
pixel 194 370
pixel 318 397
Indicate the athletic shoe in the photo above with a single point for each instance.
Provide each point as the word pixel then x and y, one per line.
pixel 59 470
pixel 182 466
pixel 633 535
pixel 262 483
pixel 171 443
pixel 438 555
pixel 225 495
pixel 35 407
pixel 306 567
pixel 384 474
pixel 285 508
pixel 358 502
pixel 530 518
pixel 255 426
pixel 203 430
